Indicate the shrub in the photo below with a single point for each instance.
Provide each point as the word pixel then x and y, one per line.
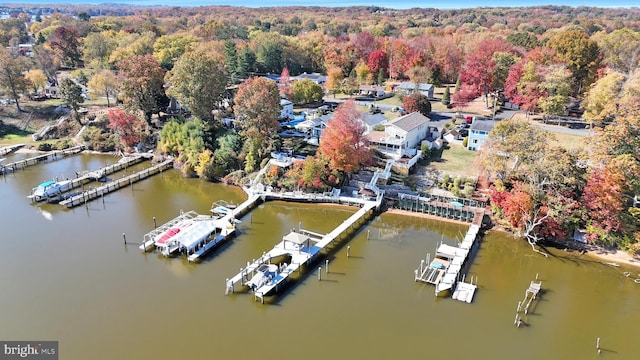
pixel 44 147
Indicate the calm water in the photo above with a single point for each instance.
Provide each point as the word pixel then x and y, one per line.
pixel 67 276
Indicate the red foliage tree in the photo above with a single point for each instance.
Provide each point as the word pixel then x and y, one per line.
pixel 66 45
pixel 284 84
pixel 479 69
pixel 343 142
pixel 378 60
pixel 604 201
pixel 417 102
pixel 364 43
pixel 128 127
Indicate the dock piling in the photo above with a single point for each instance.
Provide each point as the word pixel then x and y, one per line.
pixel 319 273
pixel 326 265
pixel 368 234
pixel 348 250
pixel 124 238
pixel 154 222
pixel 598 344
pixel 536 276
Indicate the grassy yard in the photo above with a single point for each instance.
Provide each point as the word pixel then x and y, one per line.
pixel 571 142
pixel 455 160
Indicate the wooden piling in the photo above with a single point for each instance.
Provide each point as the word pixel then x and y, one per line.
pixel 348 250
pixel 124 238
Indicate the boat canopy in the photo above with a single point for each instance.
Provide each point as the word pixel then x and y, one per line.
pixel 448 251
pixel 296 238
pixel 195 234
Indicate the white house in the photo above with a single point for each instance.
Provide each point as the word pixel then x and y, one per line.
pixel 402 136
pixel 286 109
pixel 315 77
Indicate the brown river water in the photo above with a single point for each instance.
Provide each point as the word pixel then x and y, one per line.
pixel 66 275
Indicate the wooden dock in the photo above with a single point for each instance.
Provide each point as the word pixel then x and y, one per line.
pixel 448 266
pixel 109 187
pixel 50 156
pixel 306 247
pixel 523 306
pixel 9 149
pixel 90 176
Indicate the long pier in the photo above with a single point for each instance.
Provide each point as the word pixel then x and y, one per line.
pixel 9 149
pixel 447 266
pixel 90 176
pixel 53 155
pixel 304 246
pixel 109 187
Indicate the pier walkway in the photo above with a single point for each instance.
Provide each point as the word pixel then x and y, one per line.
pixel 9 149
pixel 299 248
pixel 90 176
pixel 109 187
pixel 447 266
pixel 52 155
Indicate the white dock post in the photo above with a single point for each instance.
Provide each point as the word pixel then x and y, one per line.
pixel 326 265
pixel 124 238
pixel 319 273
pixel 368 234
pixel 598 345
pixel 154 222
pixel 536 276
pixel 348 250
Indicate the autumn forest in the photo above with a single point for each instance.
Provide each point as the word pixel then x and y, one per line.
pixel 212 59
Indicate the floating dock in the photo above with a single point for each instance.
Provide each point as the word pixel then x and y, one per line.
pixel 9 149
pixel 189 233
pixel 297 248
pixel 50 156
pixel 109 187
pixel 90 176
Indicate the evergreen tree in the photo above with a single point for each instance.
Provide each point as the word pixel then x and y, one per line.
pixel 231 60
pixel 446 97
pixel 246 62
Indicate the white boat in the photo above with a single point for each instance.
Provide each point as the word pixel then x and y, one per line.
pixel 48 189
pixel 265 273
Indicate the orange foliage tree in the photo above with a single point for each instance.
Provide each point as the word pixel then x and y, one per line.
pixel 343 142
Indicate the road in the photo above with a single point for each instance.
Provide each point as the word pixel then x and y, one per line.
pixel 439 119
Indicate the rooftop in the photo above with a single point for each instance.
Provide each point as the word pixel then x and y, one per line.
pixel 482 125
pixel 410 121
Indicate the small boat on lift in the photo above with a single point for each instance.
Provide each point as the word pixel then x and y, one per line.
pixel 49 189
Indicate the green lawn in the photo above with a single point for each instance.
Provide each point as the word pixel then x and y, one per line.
pixel 455 160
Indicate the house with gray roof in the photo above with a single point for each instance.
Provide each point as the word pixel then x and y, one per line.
pixel 479 132
pixel 408 88
pixel 402 136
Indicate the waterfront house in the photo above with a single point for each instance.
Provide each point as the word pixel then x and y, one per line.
pixel 402 136
pixel 479 132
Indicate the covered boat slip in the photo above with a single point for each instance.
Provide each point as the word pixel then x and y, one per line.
pixel 190 233
pixel 298 247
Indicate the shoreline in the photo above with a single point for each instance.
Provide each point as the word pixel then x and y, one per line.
pixel 612 258
pixel 604 256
